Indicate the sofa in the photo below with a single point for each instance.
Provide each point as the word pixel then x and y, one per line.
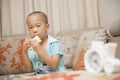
pixel 75 43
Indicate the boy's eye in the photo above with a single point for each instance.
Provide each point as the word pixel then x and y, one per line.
pixel 30 27
pixel 38 26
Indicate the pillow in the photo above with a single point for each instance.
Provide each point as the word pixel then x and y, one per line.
pixel 84 44
pixel 68 41
pixel 79 61
pixel 11 58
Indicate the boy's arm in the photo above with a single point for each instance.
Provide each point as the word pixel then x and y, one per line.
pixel 50 61
pixel 27 63
pixel 41 50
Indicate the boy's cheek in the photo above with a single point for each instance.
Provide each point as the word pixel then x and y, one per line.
pixel 31 35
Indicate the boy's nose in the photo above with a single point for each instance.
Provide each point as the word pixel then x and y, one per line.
pixel 34 29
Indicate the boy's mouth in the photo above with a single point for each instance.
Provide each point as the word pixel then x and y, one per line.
pixel 37 38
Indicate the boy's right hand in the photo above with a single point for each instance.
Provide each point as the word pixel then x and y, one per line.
pixel 26 44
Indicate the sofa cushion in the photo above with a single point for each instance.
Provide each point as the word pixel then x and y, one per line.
pixel 68 40
pixel 11 59
pixel 84 43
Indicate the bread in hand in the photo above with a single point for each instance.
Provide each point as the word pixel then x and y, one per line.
pixel 37 38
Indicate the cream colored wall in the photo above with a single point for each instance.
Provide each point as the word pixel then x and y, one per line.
pixel 60 20
pixel 63 15
pixel 109 11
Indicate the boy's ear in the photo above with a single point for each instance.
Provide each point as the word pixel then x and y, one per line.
pixel 48 26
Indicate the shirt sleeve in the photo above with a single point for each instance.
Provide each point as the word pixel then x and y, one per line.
pixel 56 48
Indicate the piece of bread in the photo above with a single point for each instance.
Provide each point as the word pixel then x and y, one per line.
pixel 37 39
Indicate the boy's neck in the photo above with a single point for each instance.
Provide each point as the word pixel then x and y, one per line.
pixel 44 40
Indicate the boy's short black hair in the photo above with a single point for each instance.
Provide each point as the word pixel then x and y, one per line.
pixel 40 13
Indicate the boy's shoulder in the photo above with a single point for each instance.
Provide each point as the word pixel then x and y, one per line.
pixel 52 39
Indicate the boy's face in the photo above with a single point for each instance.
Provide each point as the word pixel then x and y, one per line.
pixel 37 26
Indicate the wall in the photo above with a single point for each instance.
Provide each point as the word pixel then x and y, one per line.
pixel 109 11
pixel 63 15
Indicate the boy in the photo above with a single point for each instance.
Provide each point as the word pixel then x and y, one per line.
pixel 45 55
